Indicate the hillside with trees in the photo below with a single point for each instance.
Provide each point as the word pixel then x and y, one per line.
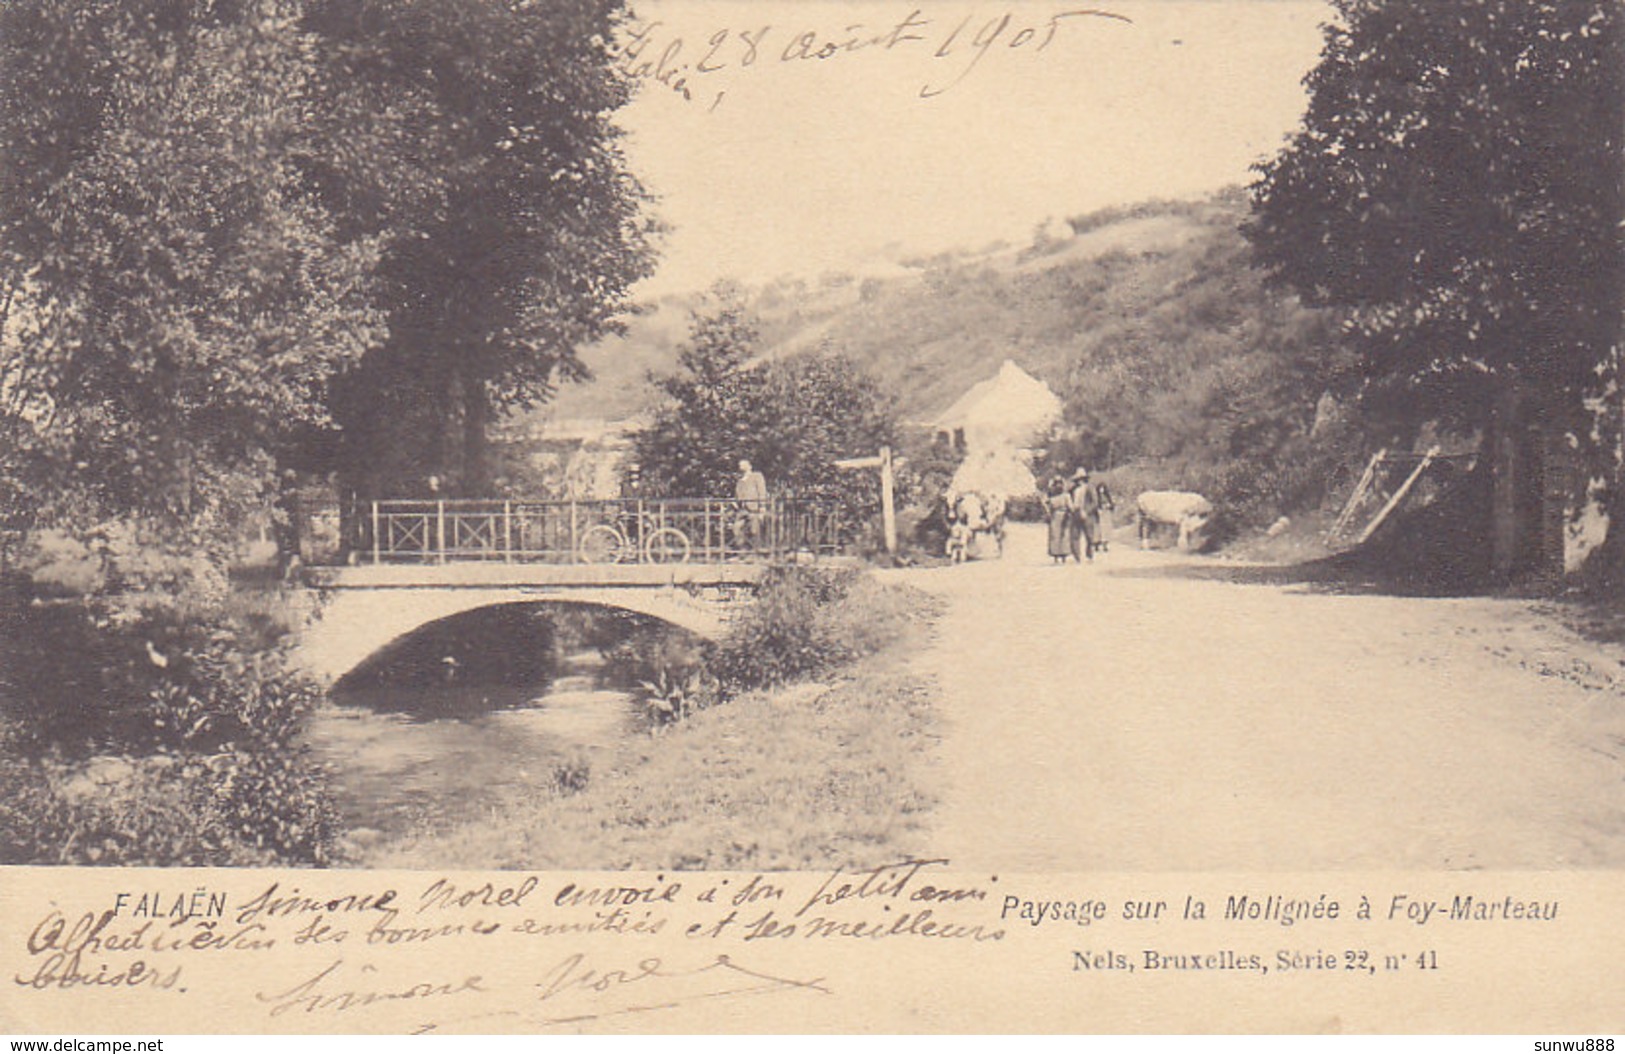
pixel 1437 251
pixel 1151 322
pixel 1158 333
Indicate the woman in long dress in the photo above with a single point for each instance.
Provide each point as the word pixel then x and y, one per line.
pixel 1106 507
pixel 1058 504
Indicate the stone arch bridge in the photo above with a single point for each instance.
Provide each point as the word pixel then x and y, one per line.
pixel 364 608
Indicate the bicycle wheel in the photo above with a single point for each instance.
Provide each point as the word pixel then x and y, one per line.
pixel 602 544
pixel 668 545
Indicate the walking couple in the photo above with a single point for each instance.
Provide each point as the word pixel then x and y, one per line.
pixel 1076 512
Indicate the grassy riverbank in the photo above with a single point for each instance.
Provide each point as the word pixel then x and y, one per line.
pixel 805 775
pixel 156 731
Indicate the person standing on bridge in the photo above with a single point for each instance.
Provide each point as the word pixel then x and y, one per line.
pixel 751 492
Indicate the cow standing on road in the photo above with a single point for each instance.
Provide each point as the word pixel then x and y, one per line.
pixel 1190 514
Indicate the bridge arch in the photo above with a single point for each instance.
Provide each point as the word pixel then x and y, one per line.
pixel 355 624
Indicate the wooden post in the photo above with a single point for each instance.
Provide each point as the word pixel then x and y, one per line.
pixel 376 541
pixel 888 505
pixel 575 554
pixel 888 509
pixel 440 531
pixel 1358 495
pixel 507 532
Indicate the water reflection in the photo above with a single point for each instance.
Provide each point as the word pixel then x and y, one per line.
pixel 485 708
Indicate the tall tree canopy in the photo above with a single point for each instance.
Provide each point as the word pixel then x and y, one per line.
pixel 334 234
pixel 1458 188
pixel 176 297
pixel 515 228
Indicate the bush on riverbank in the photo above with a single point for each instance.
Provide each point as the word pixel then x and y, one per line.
pixel 152 736
pixel 807 621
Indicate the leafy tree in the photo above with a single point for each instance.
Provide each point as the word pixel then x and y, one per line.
pixel 823 407
pixel 318 233
pixel 715 407
pixel 175 296
pixel 792 419
pixel 513 226
pixel 1457 188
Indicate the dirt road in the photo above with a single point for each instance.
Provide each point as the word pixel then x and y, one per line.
pixel 1150 712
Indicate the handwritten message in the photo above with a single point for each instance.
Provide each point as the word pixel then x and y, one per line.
pixel 335 952
pixel 695 67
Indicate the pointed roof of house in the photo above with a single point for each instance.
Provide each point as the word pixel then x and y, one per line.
pixel 1012 400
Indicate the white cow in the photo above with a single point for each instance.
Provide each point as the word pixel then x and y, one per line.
pixel 1189 513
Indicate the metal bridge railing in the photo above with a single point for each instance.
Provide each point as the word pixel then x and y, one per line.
pixel 647 530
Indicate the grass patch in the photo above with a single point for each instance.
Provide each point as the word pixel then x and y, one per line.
pixel 1595 615
pixel 804 774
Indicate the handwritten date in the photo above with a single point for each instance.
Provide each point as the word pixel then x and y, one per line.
pixel 688 67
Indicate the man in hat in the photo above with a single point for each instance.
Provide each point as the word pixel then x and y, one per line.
pixel 1086 507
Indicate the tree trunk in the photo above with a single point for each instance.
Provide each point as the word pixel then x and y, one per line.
pixel 442 402
pixel 1502 444
pixel 1606 564
pixel 1528 499
pixel 476 447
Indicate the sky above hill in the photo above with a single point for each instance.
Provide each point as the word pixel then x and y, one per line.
pixel 819 136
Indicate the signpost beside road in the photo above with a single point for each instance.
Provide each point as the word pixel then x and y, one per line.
pixel 888 510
